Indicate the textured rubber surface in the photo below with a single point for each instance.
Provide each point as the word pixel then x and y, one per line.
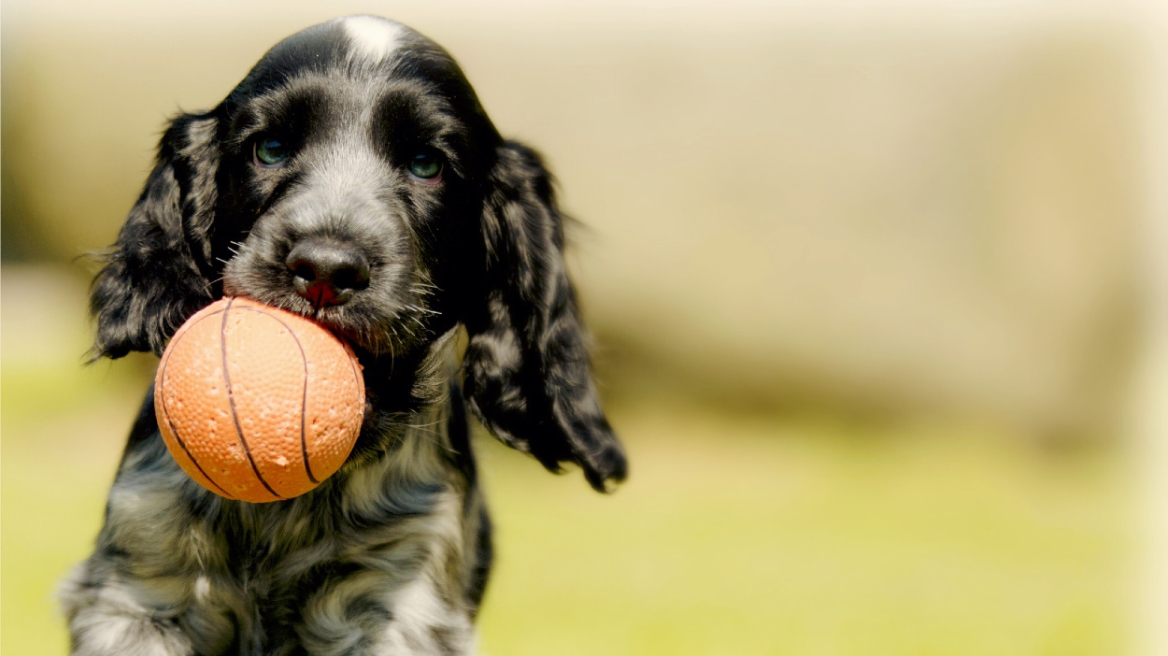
pixel 256 403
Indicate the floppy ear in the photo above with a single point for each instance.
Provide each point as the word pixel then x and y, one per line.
pixel 159 270
pixel 528 376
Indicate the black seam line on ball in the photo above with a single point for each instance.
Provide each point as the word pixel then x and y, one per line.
pixel 173 430
pixel 304 395
pixel 231 402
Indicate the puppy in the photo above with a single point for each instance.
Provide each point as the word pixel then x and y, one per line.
pixel 352 177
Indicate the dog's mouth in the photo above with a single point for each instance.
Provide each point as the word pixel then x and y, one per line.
pixel 375 335
pixel 374 328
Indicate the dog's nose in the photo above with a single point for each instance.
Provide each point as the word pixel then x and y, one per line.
pixel 326 272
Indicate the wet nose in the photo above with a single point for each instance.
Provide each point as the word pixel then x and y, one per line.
pixel 327 272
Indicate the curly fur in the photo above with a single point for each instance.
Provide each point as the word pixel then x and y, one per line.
pixel 391 555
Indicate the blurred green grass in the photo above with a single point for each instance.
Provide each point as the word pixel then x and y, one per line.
pixel 812 537
pixel 735 535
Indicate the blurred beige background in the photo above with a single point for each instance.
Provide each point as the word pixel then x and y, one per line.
pixel 869 282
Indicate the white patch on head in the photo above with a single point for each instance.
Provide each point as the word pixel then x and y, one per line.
pixel 374 38
pixel 202 589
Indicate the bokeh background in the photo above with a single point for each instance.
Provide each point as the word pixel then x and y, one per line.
pixel 876 290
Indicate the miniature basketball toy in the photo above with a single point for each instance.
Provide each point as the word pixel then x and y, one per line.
pixel 256 403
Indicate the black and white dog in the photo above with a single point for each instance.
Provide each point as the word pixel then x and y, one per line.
pixel 352 177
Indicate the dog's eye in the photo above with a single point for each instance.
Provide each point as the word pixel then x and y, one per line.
pixel 426 166
pixel 270 152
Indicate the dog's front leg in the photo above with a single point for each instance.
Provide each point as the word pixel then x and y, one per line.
pixel 111 615
pixel 354 617
pixel 155 585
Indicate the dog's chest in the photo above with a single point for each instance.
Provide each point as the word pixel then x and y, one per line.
pixel 300 576
pixel 271 551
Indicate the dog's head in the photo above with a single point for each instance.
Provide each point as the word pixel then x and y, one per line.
pixel 352 176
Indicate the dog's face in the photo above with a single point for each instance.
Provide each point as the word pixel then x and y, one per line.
pixel 354 162
pixel 352 176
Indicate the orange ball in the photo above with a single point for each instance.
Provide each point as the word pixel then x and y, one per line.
pixel 256 403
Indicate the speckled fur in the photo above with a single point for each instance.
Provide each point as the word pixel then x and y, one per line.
pixel 390 555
